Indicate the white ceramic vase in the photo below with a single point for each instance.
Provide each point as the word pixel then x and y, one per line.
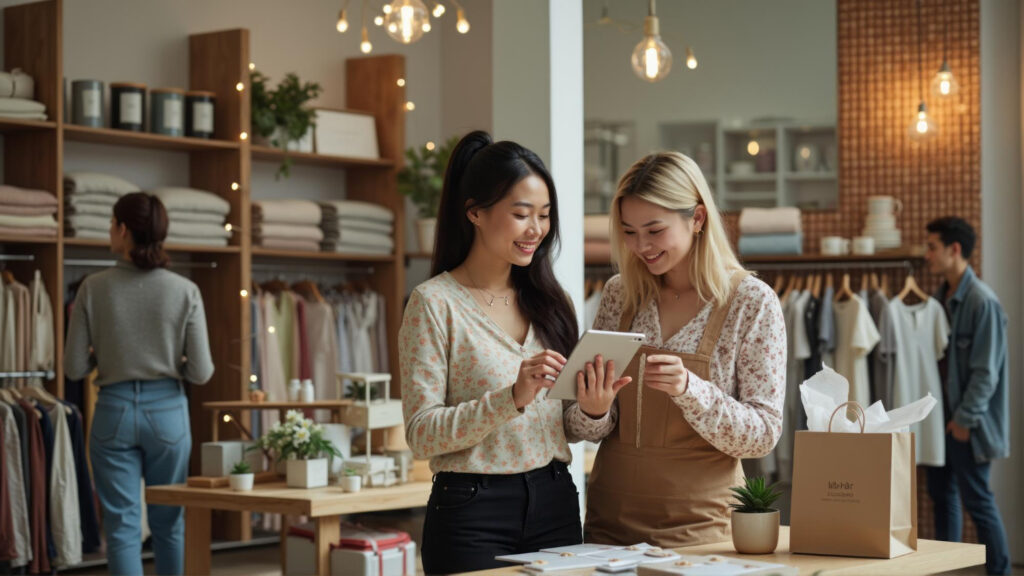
pixel 241 482
pixel 307 473
pixel 426 229
pixel 755 532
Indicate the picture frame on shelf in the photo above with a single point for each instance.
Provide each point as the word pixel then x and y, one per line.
pixel 346 133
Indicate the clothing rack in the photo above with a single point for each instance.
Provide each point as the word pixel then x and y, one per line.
pixel 47 374
pixel 17 257
pixel 907 265
pixel 89 263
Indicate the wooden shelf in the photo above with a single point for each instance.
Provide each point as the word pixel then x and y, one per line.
pixel 741 179
pixel 11 125
pixel 333 256
pixel 887 256
pixel 143 139
pixel 181 248
pixel 811 176
pixel 26 240
pixel 268 405
pixel 267 153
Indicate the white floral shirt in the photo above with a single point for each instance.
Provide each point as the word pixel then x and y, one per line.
pixel 739 409
pixel 458 367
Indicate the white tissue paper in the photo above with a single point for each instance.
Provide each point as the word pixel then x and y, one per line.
pixel 826 390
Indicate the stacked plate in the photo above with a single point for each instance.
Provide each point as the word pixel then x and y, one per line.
pixel 880 223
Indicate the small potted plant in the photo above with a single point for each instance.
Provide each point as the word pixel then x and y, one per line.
pixel 256 394
pixel 241 477
pixel 351 481
pixel 421 180
pixel 281 117
pixel 755 524
pixel 303 447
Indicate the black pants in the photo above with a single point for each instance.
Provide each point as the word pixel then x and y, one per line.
pixel 471 518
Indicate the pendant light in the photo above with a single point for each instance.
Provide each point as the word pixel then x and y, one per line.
pixel 944 85
pixel 342 24
pixel 365 46
pixel 407 20
pixel 652 60
pixel 922 127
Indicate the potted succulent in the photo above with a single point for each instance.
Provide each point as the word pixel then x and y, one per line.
pixel 304 448
pixel 755 524
pixel 351 481
pixel 421 180
pixel 280 117
pixel 241 477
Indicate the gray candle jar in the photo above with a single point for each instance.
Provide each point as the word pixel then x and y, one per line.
pixel 87 103
pixel 127 106
pixel 167 111
pixel 199 113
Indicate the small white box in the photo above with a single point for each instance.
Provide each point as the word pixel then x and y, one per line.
pixel 346 133
pixel 218 458
pixel 360 552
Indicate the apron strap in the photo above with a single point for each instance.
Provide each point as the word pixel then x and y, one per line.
pixel 714 327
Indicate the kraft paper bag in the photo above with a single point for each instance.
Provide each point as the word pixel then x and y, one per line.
pixel 854 494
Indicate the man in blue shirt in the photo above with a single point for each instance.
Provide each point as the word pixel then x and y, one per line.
pixel 975 394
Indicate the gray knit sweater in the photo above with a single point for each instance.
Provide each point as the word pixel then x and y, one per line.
pixel 140 324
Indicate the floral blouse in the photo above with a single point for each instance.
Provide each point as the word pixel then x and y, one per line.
pixel 739 409
pixel 458 368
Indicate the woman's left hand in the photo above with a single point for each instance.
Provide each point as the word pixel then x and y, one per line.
pixel 666 372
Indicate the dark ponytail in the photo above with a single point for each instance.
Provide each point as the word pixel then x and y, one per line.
pixel 145 218
pixel 480 173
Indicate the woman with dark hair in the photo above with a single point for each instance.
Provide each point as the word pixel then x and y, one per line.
pixel 143 328
pixel 478 344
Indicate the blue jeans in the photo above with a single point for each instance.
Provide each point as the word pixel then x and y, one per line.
pixel 140 430
pixel 962 477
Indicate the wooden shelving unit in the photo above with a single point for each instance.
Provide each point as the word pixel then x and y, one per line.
pixel 34 158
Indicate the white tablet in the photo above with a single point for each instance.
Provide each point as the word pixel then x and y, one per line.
pixel 617 346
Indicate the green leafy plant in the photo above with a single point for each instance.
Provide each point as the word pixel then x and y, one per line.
pixel 284 108
pixel 357 391
pixel 297 437
pixel 423 176
pixel 755 496
pixel 350 472
pixel 241 468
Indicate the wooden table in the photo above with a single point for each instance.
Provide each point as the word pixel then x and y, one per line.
pixel 337 408
pixel 323 505
pixel 931 557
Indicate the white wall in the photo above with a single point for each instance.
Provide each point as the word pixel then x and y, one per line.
pixel 772 58
pixel 466 78
pixel 1001 212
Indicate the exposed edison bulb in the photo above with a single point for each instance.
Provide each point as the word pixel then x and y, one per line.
pixel 753 147
pixel 461 24
pixel 253 378
pixel 429 146
pixel 426 27
pixel 243 136
pixel 342 25
pixel 438 10
pixel 365 45
pixel 378 20
pixel 691 60
pixel 944 84
pixel 227 418
pixel 228 227
pixel 252 65
pixel 400 82
pixel 652 60
pixel 271 329
pixel 406 19
pixel 234 185
pixel 243 293
pixel 923 127
pixel 387 8
pixel 410 106
pixel 240 86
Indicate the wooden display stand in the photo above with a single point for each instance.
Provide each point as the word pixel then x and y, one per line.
pixel 33 158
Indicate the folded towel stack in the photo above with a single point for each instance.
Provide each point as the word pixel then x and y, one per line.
pixel 195 217
pixel 16 92
pixel 770 231
pixel 286 225
pixel 29 213
pixel 597 248
pixel 355 227
pixel 89 199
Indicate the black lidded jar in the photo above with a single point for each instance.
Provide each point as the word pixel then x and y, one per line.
pixel 128 106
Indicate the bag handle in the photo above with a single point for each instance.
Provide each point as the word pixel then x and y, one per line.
pixel 861 417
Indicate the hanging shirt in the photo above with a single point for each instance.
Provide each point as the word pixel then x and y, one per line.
pixel 827 327
pixel 799 350
pixel 922 333
pixel 41 356
pixel 361 314
pixel 322 336
pixel 344 346
pixel 882 360
pixel 12 461
pixel 856 335
pixel 65 516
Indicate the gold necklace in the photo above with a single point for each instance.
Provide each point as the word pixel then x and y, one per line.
pixel 492 296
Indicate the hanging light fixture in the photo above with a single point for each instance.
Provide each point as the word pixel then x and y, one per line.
pixel 691 60
pixel 461 23
pixel 944 85
pixel 342 25
pixel 365 47
pixel 438 10
pixel 652 60
pixel 407 20
pixel 922 127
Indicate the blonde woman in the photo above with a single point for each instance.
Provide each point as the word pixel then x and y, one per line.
pixel 707 388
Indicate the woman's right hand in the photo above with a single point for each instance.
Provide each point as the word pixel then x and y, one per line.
pixel 533 376
pixel 597 388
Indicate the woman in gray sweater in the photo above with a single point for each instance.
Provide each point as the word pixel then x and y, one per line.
pixel 143 328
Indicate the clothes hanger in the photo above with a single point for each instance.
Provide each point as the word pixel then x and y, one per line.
pixel 780 283
pixel 844 292
pixel 308 290
pixel 829 281
pixel 874 281
pixel 910 287
pixel 884 286
pixel 864 283
pixel 43 397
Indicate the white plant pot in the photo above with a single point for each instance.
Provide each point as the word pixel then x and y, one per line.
pixel 241 482
pixel 307 473
pixel 351 483
pixel 755 533
pixel 426 229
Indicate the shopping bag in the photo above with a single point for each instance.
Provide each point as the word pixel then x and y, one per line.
pixel 854 494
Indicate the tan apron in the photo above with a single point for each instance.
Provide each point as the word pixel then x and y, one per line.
pixel 655 479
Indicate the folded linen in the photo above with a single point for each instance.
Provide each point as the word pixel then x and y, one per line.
pixel 286 212
pixel 87 221
pixel 191 200
pixel 359 238
pixel 354 249
pixel 28 232
pixel 334 209
pixel 771 244
pixel 289 244
pixel 87 233
pixel 290 231
pixel 198 229
pixel 25 115
pixel 90 199
pixel 756 221
pixel 21 106
pixel 346 223
pixel 197 217
pixel 96 183
pixel 45 221
pixel 196 241
pixel 16 210
pixel 13 195
pixel 595 227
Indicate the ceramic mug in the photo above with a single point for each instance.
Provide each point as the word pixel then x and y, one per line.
pixel 864 245
pixel 884 205
pixel 835 245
